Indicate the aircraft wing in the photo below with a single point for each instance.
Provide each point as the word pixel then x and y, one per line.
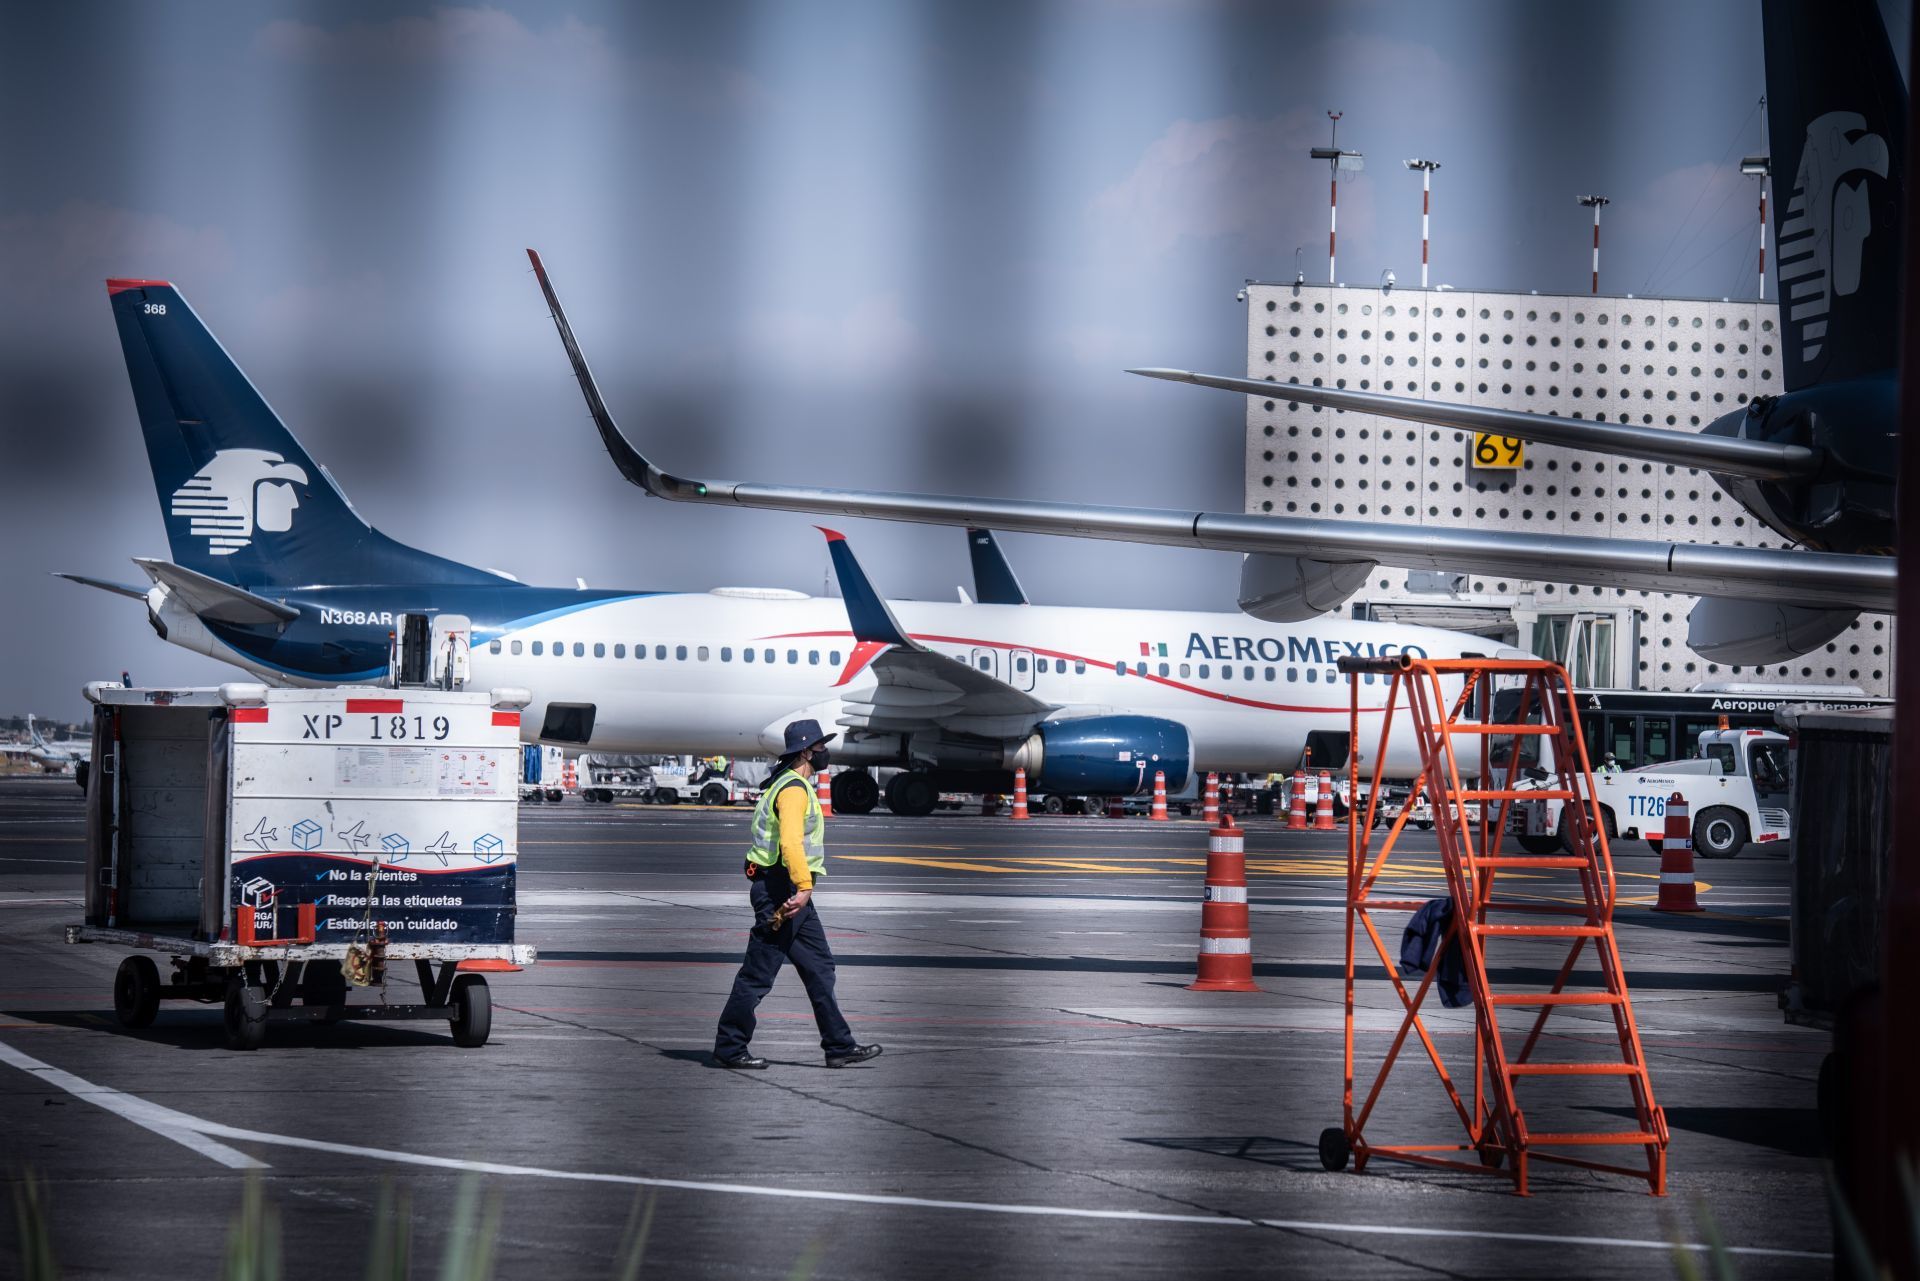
pixel 212 599
pixel 1726 455
pixel 105 585
pixel 1770 575
pixel 916 688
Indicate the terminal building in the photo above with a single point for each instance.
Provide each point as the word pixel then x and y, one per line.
pixel 1677 363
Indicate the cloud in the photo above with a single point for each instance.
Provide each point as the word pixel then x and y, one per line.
pixel 871 338
pixel 567 54
pixel 1228 176
pixel 81 243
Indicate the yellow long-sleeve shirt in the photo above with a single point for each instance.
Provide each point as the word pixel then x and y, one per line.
pixel 791 808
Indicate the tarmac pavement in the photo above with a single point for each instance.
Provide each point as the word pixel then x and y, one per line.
pixel 1052 1101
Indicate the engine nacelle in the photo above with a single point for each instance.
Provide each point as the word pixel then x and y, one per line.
pixel 1759 632
pixel 1106 755
pixel 1292 589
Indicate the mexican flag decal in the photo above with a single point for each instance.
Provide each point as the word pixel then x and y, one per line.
pixel 1149 649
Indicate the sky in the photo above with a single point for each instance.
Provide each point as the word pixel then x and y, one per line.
pixel 891 244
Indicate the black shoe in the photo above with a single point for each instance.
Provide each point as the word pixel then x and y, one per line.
pixel 858 1054
pixel 742 1060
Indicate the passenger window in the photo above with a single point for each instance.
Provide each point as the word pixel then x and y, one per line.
pixel 726 653
pixel 984 664
pixel 1313 675
pixel 813 658
pixel 514 646
pixel 766 656
pixel 680 652
pixel 1119 669
pixel 536 649
pixel 1247 673
pixel 1019 664
pixel 833 656
pixel 1206 671
pixel 619 650
pixel 1164 669
pixel 660 651
pixel 1186 669
pixel 493 647
pixel 1060 666
pixel 746 656
pixel 1330 678
pixel 793 656
pixel 1079 667
pixel 579 650
pixel 1270 673
pixel 701 653
pixel 1226 671
pixel 599 649
pixel 1293 674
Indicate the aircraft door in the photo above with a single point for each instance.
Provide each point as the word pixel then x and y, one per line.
pixel 988 661
pixel 1022 661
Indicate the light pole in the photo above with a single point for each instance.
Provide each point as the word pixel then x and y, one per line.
pixel 1337 160
pixel 1596 203
pixel 1426 168
pixel 1761 168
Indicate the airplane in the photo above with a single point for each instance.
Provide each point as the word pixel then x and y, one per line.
pixel 54 758
pixel 274 571
pixel 1815 463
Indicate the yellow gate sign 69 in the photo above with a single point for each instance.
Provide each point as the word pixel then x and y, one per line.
pixel 1498 451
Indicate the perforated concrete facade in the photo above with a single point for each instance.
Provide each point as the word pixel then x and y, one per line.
pixel 1662 362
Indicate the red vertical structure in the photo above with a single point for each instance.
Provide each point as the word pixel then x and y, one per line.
pixel 1470 769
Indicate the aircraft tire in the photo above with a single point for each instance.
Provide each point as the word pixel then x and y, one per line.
pixel 912 795
pixel 854 792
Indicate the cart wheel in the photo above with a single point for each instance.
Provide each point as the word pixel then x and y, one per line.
pixel 136 992
pixel 1334 1149
pixel 472 1011
pixel 246 1014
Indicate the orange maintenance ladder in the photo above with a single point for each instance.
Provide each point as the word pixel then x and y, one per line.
pixel 1437 699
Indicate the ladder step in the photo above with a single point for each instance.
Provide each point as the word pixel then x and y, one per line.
pixel 1541 931
pixel 1574 1069
pixel 1531 860
pixel 1510 794
pixel 1634 1138
pixel 1502 729
pixel 1556 998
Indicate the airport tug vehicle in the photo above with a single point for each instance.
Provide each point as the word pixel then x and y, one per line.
pixel 283 847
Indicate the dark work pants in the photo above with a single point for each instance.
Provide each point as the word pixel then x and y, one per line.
pixel 801 940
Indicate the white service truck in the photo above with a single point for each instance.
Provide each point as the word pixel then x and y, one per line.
pixel 1736 792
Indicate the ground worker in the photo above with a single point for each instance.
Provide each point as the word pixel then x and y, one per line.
pixel 1609 765
pixel 788 852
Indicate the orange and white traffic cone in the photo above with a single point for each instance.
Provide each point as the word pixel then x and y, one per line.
pixel 1159 814
pixel 1020 794
pixel 1676 860
pixel 823 790
pixel 1226 939
pixel 1210 805
pixel 1297 804
pixel 570 777
pixel 1323 807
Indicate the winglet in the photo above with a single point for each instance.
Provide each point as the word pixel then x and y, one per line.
pixel 867 613
pixel 118 589
pixel 833 535
pixel 994 582
pixel 632 464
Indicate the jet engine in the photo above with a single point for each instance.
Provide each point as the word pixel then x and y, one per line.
pixel 1292 589
pixel 1106 755
pixel 1753 631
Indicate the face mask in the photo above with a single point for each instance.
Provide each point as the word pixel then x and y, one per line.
pixel 819 758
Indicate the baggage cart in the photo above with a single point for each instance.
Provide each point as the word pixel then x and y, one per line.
pixel 280 847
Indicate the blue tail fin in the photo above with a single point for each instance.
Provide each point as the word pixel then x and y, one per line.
pixel 1838 118
pixel 243 502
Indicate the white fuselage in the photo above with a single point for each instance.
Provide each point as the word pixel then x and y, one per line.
pixel 1250 710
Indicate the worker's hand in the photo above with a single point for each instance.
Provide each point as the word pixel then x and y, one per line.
pixel 792 906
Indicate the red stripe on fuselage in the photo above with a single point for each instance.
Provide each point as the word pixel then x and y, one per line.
pixel 1168 681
